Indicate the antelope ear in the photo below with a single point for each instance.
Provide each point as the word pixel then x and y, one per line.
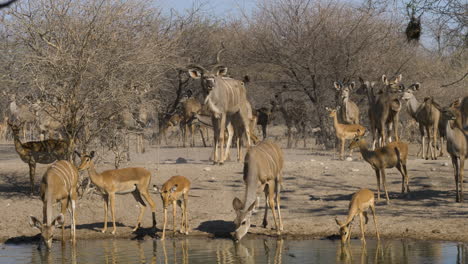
pixel 352 85
pixel 59 220
pixel 156 189
pixel 384 79
pixel 398 78
pixel 34 222
pixel 195 73
pixel 78 154
pixel 251 207
pixel 337 85
pixel 221 70
pixel 415 86
pixel 91 155
pixel 237 204
pixel 338 222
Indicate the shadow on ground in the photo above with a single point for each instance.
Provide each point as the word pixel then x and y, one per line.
pixel 218 228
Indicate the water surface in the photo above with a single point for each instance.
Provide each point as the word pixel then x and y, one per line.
pixel 203 250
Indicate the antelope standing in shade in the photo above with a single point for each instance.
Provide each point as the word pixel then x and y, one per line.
pixel 349 111
pixel 59 184
pixel 457 146
pixel 263 119
pixel 263 167
pixel 175 191
pixel 344 131
pixel 225 97
pixel 294 112
pixel 120 181
pixel 361 201
pixel 394 154
pixel 190 107
pixel 427 114
pixel 44 152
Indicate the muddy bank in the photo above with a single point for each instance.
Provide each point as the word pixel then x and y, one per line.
pixel 317 187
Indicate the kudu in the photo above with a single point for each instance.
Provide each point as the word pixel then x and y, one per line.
pixel 44 152
pixel 263 168
pixel 427 115
pixel 360 202
pixel 394 154
pixel 457 146
pixel 349 111
pixel 59 184
pixel 120 181
pixel 175 191
pixel 384 109
pixel 190 107
pixel 295 115
pixel 235 131
pixel 225 97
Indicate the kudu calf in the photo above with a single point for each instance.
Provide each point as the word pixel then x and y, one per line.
pixel 427 114
pixel 263 167
pixel 349 111
pixel 225 97
pixel 457 146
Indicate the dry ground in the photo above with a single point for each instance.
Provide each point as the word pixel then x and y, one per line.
pixel 317 187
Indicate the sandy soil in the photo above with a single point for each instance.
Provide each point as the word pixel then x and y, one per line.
pixel 317 187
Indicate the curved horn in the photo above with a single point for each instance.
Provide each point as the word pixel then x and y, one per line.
pixel 196 66
pixel 218 54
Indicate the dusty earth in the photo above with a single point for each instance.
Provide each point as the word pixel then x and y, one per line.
pixel 317 187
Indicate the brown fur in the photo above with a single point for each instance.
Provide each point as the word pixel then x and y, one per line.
pixel 173 191
pixel 120 181
pixel 344 131
pixel 360 202
pixel 394 154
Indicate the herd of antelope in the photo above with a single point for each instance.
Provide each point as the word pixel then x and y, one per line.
pixel 229 110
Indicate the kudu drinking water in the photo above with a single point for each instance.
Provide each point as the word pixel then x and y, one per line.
pixel 225 97
pixel 263 167
pixel 59 184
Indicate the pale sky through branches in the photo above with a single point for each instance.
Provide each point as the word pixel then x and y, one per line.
pixel 219 8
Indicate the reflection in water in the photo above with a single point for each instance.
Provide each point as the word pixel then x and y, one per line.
pixel 203 250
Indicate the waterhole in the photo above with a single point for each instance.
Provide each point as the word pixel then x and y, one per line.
pixel 204 250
